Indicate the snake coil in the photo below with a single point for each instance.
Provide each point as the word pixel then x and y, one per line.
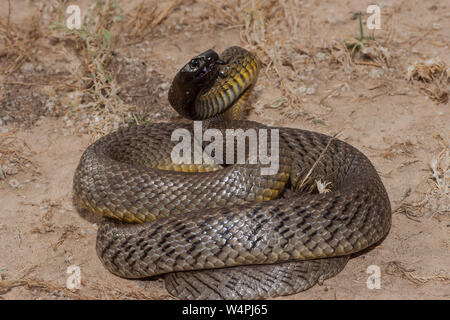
pixel 228 232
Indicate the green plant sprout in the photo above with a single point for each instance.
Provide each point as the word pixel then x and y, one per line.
pixel 356 46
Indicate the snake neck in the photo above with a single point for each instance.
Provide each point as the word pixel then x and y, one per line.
pixel 183 95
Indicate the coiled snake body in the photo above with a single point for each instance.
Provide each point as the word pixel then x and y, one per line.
pixel 227 231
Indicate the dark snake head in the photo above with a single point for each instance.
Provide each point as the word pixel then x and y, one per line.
pixel 195 77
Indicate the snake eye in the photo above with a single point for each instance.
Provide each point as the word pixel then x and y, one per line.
pixel 194 64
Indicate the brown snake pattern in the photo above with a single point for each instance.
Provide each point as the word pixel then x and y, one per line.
pixel 209 234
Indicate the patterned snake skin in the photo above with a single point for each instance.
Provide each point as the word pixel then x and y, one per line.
pixel 229 232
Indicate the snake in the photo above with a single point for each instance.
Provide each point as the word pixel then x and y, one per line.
pixel 216 230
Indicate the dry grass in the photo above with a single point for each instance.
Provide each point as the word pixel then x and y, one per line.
pixel 267 27
pixel 93 46
pixel 18 42
pixel 436 201
pixel 15 156
pixel 308 182
pixel 432 77
pixel 47 209
pixel 96 105
pixel 270 29
pixel 396 268
pixel 144 18
pixel 62 292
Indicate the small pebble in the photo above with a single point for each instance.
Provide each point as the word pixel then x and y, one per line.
pixel 376 73
pixel 301 89
pixel 14 183
pixel 28 67
pixel 332 20
pixel 310 91
pixel 436 26
pixel 164 85
pixel 335 93
pixel 321 56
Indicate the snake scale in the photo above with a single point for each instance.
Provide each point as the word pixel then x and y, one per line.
pixel 225 231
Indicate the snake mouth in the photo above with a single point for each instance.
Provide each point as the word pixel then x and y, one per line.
pixel 205 70
pixel 205 66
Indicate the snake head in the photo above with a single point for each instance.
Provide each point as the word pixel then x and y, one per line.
pixel 202 69
pixel 195 77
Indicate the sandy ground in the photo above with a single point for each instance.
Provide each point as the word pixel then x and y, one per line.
pixel 401 125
